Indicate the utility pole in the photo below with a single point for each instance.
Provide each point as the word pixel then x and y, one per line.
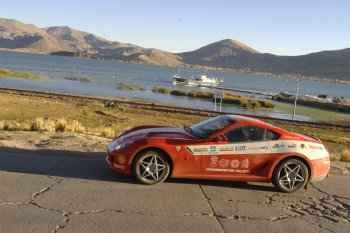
pixel 296 98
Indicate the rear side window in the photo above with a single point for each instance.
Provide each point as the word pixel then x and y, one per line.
pixel 250 133
pixel 271 135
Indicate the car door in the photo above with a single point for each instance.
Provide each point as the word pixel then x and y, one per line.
pixel 244 153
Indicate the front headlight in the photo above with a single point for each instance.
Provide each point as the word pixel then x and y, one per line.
pixel 115 146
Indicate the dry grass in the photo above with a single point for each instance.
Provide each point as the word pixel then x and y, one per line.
pixel 5 73
pixel 163 90
pixel 344 156
pixel 42 124
pixel 12 126
pixel 108 133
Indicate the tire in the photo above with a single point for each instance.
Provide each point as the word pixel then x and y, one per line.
pixel 151 167
pixel 290 175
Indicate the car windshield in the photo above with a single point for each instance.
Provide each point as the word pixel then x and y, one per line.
pixel 210 127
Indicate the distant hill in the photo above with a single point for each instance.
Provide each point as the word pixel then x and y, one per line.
pixel 229 54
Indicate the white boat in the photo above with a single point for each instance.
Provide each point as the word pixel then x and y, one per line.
pixel 204 80
pixel 199 80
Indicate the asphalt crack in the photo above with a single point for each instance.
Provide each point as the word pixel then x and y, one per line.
pixel 211 208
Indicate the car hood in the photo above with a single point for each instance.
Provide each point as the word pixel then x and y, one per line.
pixel 157 132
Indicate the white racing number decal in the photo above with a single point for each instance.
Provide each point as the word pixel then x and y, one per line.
pixel 227 165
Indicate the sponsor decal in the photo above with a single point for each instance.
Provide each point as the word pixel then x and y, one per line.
pixel 212 150
pixel 214 161
pixel 240 148
pixel 277 146
pixel 178 148
pixel 224 162
pixel 227 148
pixel 235 163
pixel 310 150
pixel 245 163
pixel 315 147
pixel 200 150
pixel 227 170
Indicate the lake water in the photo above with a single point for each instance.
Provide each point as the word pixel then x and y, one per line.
pixel 106 75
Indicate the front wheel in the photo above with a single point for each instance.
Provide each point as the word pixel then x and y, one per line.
pixel 151 167
pixel 290 175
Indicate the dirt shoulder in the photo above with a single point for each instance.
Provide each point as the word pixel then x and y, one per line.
pixel 20 109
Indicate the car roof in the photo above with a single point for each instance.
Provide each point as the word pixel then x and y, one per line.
pixel 238 118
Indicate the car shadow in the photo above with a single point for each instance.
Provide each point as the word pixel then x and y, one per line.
pixel 228 184
pixel 89 166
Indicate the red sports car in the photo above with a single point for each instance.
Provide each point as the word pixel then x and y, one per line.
pixel 227 147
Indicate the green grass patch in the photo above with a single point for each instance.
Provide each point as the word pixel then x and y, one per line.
pixel 201 94
pixel 84 79
pixel 163 90
pixel 5 73
pixel 232 100
pixel 178 92
pixel 252 104
pixel 266 103
pixel 130 87
pixel 71 78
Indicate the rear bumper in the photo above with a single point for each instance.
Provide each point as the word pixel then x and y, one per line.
pixel 316 179
pixel 320 168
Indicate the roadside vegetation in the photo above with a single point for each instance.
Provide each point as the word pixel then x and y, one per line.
pixel 5 73
pixel 130 87
pixel 229 98
pixel 163 90
pixel 26 113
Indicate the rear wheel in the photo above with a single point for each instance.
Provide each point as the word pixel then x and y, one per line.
pixel 291 175
pixel 151 167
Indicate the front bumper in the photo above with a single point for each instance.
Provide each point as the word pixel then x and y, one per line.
pixel 113 164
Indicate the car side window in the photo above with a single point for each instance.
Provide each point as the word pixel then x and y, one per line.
pixel 271 135
pixel 250 133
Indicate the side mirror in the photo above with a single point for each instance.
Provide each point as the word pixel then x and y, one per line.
pixel 220 138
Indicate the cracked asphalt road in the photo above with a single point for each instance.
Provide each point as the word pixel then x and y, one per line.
pixel 76 192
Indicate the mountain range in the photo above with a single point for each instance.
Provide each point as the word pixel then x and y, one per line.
pixel 226 54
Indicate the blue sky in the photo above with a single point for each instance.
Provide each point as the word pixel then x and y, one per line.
pixel 280 27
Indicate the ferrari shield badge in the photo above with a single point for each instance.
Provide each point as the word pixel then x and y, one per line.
pixel 178 148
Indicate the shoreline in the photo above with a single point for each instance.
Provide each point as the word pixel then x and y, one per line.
pixel 245 71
